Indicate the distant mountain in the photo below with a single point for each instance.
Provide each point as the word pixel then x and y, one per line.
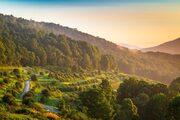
pixel 129 46
pixel 48 42
pixel 171 47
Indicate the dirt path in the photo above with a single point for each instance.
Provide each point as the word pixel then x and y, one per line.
pixel 26 88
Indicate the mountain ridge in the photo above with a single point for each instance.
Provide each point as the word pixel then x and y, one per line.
pixel 171 47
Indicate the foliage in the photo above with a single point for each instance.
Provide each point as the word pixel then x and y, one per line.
pixel 175 86
pixel 28 99
pixel 22 45
pixel 8 99
pixel 128 111
pixel 174 108
pixel 156 108
pixel 98 105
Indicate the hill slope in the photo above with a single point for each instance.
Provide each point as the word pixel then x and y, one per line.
pixel 171 47
pixel 158 66
pixel 22 45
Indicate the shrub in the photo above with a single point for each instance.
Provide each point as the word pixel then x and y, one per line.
pixel 29 101
pixel 18 85
pixel 34 78
pixel 8 99
pixel 5 73
pixel 6 80
pixel 41 73
pixel 16 71
pixel 45 92
pixel 43 99
pixel 18 76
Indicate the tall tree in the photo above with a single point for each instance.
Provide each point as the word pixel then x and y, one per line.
pixel 156 108
pixel 174 109
pixel 128 111
pixel 97 106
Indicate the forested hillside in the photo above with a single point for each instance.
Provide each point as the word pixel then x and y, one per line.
pixel 34 43
pixel 21 45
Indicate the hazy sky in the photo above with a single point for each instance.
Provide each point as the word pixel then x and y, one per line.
pixel 135 22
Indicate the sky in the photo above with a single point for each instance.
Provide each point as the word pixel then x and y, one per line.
pixel 142 23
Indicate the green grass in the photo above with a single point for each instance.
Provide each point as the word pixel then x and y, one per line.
pixel 11 116
pixel 52 101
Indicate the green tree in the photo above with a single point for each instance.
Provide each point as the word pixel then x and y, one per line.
pixel 105 63
pixel 141 101
pixel 156 108
pixel 86 61
pixel 128 111
pixel 174 109
pixel 2 55
pixel 98 106
pixel 106 87
pixel 128 89
pixel 175 86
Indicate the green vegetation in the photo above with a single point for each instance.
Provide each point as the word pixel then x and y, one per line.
pixel 74 80
pixel 30 43
pixel 20 45
pixel 86 96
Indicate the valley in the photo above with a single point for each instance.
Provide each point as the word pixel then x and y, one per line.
pixel 51 72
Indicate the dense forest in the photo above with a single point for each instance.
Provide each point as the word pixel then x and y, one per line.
pixel 20 45
pixel 51 44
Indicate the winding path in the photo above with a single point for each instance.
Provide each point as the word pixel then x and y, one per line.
pixel 27 89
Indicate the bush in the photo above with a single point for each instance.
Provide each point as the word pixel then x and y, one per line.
pixel 8 99
pixel 1 74
pixel 5 73
pixel 45 92
pixel 18 76
pixel 16 71
pixel 34 78
pixel 6 80
pixel 29 101
pixel 43 99
pixel 41 73
pixel 14 92
pixel 18 85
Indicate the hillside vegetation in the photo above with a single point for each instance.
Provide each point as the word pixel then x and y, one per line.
pixel 32 43
pixel 21 45
pixel 55 95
